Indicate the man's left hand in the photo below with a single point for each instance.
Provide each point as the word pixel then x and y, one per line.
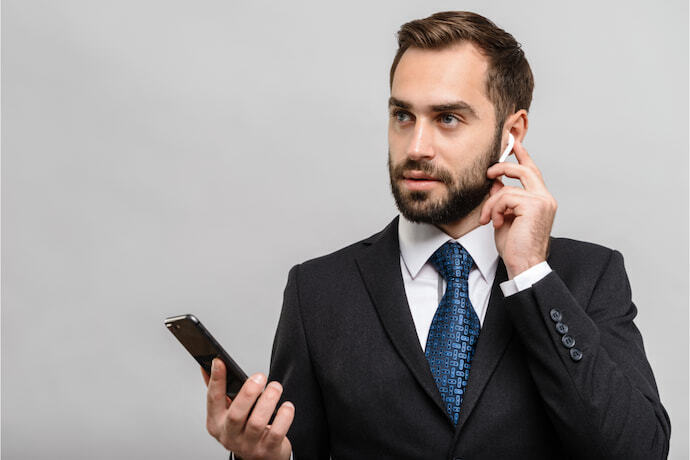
pixel 522 217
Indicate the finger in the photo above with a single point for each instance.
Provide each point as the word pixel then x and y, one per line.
pixel 485 214
pixel 204 375
pixel 215 395
pixel 527 176
pixel 238 413
pixel 524 158
pixel 260 416
pixel 281 425
pixel 496 186
pixel 505 202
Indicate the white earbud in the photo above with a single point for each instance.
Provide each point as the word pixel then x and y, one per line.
pixel 509 148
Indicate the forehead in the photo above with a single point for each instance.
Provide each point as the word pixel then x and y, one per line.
pixel 427 77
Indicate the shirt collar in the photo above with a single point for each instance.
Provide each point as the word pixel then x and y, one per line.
pixel 418 241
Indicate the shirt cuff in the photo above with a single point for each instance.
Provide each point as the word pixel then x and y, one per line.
pixel 525 279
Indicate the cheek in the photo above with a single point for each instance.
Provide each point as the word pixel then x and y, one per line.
pixel 393 136
pixel 461 152
pixel 396 144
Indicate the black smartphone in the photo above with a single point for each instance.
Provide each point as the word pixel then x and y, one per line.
pixel 203 347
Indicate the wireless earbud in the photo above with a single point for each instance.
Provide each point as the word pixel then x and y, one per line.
pixel 509 148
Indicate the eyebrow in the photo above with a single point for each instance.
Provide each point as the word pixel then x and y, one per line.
pixel 460 106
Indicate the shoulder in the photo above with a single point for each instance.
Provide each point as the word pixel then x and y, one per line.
pixel 581 262
pixel 336 275
pixel 340 260
pixel 569 249
pixel 567 252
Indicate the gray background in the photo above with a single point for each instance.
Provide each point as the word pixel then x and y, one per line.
pixel 164 157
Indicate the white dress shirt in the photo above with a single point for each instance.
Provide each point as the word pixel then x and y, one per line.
pixel 424 286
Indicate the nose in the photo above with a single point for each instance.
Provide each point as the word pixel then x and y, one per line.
pixel 421 143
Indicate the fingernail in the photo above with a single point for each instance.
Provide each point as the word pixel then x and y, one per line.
pixel 213 365
pixel 258 378
pixel 289 404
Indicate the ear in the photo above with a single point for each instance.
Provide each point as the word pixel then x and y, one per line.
pixel 517 124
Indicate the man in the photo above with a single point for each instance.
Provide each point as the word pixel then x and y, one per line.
pixel 461 330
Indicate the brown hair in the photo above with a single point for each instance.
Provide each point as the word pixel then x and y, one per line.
pixel 509 82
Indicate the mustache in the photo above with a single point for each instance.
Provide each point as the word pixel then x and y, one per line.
pixel 424 166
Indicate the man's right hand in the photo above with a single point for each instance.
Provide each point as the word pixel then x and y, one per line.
pixel 248 435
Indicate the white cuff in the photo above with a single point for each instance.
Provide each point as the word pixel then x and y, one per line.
pixel 525 279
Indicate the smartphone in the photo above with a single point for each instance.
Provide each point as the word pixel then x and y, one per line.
pixel 203 347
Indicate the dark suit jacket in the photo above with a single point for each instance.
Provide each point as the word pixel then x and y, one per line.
pixel 347 353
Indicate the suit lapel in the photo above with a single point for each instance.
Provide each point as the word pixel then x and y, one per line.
pixel 379 267
pixel 494 337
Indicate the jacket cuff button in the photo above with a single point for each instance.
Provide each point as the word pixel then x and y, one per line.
pixel 575 354
pixel 555 315
pixel 568 341
pixel 562 328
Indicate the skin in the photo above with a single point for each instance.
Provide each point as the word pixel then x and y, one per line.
pixel 229 421
pixel 452 138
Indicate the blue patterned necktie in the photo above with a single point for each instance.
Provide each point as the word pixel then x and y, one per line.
pixel 454 330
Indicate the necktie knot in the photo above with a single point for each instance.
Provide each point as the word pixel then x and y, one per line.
pixel 452 261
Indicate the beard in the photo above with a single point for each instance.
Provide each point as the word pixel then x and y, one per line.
pixel 464 191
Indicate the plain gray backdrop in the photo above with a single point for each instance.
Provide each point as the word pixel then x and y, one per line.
pixel 162 157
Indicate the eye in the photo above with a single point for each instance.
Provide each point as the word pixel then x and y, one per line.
pixel 401 116
pixel 449 119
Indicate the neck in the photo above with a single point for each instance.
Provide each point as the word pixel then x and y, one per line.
pixel 465 225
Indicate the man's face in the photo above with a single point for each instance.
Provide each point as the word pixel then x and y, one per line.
pixel 442 134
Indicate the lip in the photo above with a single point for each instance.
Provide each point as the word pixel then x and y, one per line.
pixel 420 184
pixel 418 175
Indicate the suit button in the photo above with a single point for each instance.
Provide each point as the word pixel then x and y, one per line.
pixel 562 328
pixel 568 341
pixel 575 354
pixel 555 315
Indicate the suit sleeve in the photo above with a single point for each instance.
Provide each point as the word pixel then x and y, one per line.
pixel 291 365
pixel 595 380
